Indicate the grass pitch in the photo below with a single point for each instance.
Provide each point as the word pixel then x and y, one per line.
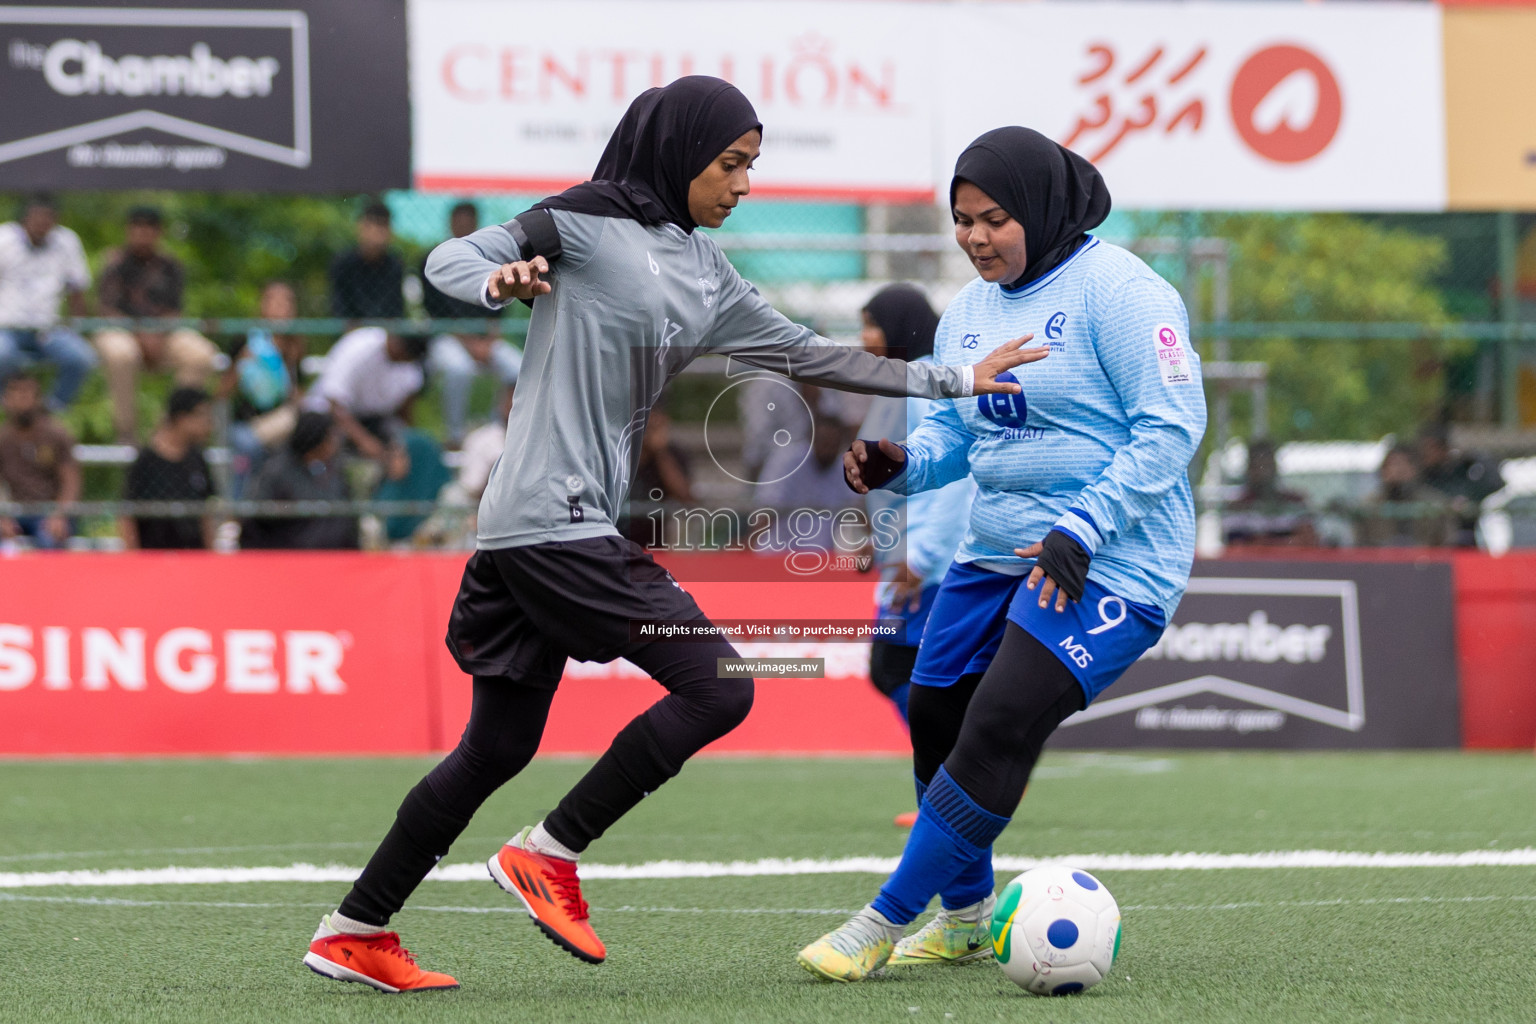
pixel 1302 944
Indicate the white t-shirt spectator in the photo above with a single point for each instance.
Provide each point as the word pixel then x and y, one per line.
pixel 482 447
pixel 359 376
pixel 33 278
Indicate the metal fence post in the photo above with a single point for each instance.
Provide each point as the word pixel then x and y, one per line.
pixel 1509 314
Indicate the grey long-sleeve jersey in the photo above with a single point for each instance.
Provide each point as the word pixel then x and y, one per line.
pixel 631 305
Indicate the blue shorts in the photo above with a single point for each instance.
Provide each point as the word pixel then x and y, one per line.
pixel 1097 638
pixel 908 624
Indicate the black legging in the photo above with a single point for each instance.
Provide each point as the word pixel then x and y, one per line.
pixel 506 722
pixel 987 730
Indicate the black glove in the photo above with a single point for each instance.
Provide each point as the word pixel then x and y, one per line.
pixel 1065 561
pixel 878 468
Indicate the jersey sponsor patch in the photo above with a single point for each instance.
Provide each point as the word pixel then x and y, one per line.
pixel 1172 360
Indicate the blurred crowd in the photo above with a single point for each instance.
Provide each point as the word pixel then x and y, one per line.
pixel 291 419
pixel 1426 494
pixel 341 433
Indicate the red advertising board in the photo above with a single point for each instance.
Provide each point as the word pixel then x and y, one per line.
pixel 160 653
pixel 290 653
pixel 187 653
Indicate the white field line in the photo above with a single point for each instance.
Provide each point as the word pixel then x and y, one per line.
pixel 1368 901
pixel 676 869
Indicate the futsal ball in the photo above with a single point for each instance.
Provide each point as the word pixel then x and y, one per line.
pixel 1056 931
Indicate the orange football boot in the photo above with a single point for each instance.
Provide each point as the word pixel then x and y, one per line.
pixel 377 960
pixel 551 892
pixel 906 819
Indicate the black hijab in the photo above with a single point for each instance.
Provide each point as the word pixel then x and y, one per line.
pixel 1056 194
pixel 665 139
pixel 902 313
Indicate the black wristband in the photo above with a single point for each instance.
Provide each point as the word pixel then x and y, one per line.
pixel 878 468
pixel 1065 561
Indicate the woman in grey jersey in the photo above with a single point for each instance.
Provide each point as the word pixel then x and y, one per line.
pixel 625 293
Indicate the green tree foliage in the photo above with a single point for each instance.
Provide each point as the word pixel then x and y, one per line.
pixel 231 243
pixel 1335 267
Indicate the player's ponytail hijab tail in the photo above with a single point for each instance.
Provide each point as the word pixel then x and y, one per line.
pixel 908 322
pixel 1054 193
pixel 666 138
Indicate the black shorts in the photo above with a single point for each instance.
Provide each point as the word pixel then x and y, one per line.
pixel 522 611
pixel 890 665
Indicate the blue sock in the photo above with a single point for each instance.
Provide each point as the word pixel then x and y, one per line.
pixel 898 697
pixel 974 883
pixel 951 834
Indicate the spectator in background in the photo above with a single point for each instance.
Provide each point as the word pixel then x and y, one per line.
pixel 1266 513
pixel 305 470
pixel 262 386
pixel 777 413
pixel 808 475
pixel 456 359
pixel 773 414
pixel 482 447
pixel 171 467
pixel 41 263
pixel 367 280
pixel 661 475
pixel 413 471
pixel 1464 480
pixel 142 280
pixel 1403 512
pixel 463 219
pixel 37 463
pixel 370 378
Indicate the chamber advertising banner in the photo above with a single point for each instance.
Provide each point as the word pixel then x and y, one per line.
pixel 1226 106
pixel 522 96
pixel 1490 86
pixel 1293 654
pixel 297 96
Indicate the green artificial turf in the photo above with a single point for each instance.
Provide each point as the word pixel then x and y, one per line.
pixel 1336 944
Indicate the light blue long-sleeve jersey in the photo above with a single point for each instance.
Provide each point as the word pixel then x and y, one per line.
pixel 1099 442
pixel 922 531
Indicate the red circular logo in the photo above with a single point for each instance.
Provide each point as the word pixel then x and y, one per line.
pixel 1266 116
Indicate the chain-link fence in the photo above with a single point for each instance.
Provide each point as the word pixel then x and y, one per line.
pixel 1320 333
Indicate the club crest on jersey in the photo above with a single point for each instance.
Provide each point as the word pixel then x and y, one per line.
pixel 1053 330
pixel 707 289
pixel 970 341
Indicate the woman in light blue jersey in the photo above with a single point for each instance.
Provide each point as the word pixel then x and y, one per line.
pixel 1080 537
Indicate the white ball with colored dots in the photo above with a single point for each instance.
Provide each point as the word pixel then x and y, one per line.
pixel 1056 931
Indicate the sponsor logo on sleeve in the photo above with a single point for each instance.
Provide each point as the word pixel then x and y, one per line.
pixel 1172 359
